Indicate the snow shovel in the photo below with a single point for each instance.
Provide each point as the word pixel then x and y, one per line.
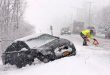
pixel 93 42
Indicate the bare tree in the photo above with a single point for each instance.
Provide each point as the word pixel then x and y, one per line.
pixel 11 21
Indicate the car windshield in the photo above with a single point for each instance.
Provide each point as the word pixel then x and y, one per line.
pixel 40 40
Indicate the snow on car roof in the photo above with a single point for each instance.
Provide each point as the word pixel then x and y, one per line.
pixel 36 40
pixel 35 35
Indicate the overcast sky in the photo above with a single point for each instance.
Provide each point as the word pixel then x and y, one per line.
pixel 58 13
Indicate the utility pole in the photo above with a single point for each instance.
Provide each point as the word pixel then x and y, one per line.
pixel 51 29
pixel 90 4
pixel 17 17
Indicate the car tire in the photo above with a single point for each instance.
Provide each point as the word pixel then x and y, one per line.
pixel 46 60
pixel 19 65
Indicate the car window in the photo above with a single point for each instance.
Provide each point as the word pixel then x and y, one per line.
pixel 39 41
pixel 65 47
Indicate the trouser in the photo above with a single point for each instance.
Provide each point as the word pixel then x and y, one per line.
pixel 84 39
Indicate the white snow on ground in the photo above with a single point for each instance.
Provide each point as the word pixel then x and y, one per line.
pixel 90 60
pixel 105 43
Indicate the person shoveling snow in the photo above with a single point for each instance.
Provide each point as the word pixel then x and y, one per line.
pixel 88 35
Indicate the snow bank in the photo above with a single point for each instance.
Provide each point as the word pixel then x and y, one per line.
pixel 88 61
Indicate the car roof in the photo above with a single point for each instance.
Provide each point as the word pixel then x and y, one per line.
pixel 35 35
pixel 31 39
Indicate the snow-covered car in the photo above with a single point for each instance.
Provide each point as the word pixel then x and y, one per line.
pixel 44 47
pixel 65 30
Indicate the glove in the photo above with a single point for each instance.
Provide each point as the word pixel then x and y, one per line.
pixel 95 42
pixel 94 39
pixel 87 40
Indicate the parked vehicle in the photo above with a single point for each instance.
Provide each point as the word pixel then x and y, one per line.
pixel 65 30
pixel 45 47
pixel 107 34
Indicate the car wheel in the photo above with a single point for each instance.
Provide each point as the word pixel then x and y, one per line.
pixel 29 62
pixel 46 60
pixel 19 65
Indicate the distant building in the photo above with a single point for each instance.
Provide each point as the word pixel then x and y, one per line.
pixel 78 27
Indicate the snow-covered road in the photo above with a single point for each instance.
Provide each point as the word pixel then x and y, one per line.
pixel 89 60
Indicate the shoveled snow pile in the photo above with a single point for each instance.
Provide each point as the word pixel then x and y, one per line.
pixel 89 60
